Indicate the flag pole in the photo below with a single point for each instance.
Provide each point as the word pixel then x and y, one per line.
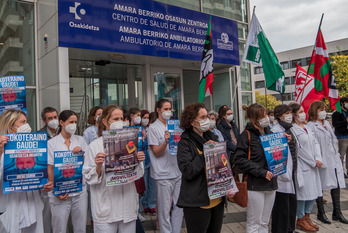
pixel 315 43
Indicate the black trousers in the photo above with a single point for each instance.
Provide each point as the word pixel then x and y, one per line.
pixel 200 220
pixel 284 213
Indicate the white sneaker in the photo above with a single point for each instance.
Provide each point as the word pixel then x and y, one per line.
pixel 141 218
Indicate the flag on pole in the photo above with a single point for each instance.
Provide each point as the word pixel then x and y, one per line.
pixel 304 89
pixel 258 51
pixel 320 68
pixel 207 72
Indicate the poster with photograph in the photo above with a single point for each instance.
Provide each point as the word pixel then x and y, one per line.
pixel 25 162
pixel 276 150
pixel 67 172
pixel 12 93
pixel 175 135
pixel 121 163
pixel 218 170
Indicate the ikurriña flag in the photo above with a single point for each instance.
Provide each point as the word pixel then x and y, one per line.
pixel 207 72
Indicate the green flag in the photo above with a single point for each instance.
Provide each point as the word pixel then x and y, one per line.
pixel 258 51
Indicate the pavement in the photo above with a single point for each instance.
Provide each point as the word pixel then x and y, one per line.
pixel 235 218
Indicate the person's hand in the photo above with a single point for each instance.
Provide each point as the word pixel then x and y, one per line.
pixel 230 194
pixel 63 197
pixel 3 140
pixel 166 136
pixel 76 149
pixel 288 136
pixel 141 156
pixel 318 163
pixel 210 141
pixel 144 134
pixel 99 159
pixel 269 175
pixel 48 187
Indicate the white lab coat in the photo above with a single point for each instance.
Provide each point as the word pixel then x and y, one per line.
pixel 285 182
pixel 113 203
pixel 22 209
pixel 330 155
pixel 308 185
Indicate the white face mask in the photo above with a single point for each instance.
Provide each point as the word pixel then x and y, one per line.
pixel 116 125
pixel 288 118
pixel 212 124
pixel 53 124
pixel 97 119
pixel 204 125
pixel 322 115
pixel 145 122
pixel 346 106
pixel 125 123
pixel 264 122
pixel 271 118
pixel 137 120
pixel 167 115
pixel 229 118
pixel 301 117
pixel 24 128
pixel 71 128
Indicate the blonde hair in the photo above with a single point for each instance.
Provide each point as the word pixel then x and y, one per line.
pixel 7 120
pixel 107 111
pixel 312 111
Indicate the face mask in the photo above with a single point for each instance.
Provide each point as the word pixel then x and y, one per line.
pixel 145 122
pixel 271 118
pixel 346 106
pixel 288 118
pixel 264 122
pixel 229 118
pixel 137 120
pixel 116 125
pixel 212 124
pixel 71 128
pixel 97 119
pixel 167 115
pixel 322 115
pixel 204 125
pixel 24 128
pixel 125 123
pixel 301 117
pixel 53 124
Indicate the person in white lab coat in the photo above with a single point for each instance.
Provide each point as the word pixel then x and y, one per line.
pixel 331 175
pixel 69 203
pixel 20 212
pixel 114 208
pixel 307 182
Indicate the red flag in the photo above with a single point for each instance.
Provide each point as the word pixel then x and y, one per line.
pixel 304 90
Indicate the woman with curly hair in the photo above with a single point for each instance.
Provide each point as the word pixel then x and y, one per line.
pixel 201 214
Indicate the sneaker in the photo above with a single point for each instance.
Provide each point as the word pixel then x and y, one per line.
pixel 141 218
pixel 153 211
pixel 147 211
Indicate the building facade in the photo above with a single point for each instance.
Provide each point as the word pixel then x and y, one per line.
pixel 79 76
pixel 288 60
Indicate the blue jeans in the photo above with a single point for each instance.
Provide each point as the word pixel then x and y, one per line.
pixel 149 198
pixel 304 207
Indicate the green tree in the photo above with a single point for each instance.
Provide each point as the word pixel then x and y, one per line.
pixel 271 100
pixel 339 65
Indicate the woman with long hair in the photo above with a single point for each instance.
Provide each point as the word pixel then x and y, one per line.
pixel 92 131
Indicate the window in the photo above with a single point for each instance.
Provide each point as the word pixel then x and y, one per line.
pixel 287 81
pixel 293 63
pixel 260 84
pixel 285 65
pixel 258 70
pixel 277 96
pixel 287 96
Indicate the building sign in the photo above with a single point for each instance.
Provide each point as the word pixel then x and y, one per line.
pixel 145 27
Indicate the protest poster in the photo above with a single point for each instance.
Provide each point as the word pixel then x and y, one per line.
pixel 12 93
pixel 175 135
pixel 276 149
pixel 218 170
pixel 121 148
pixel 67 172
pixel 25 162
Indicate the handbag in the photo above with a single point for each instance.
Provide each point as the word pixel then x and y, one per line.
pixel 140 185
pixel 241 197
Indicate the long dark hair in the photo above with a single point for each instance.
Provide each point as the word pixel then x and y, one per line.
pixel 159 104
pixel 63 116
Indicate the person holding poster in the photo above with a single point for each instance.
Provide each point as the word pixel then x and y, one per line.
pixel 114 208
pixel 202 215
pixel 331 174
pixel 91 133
pixel 261 183
pixel 21 211
pixel 74 203
pixel 307 182
pixel 284 209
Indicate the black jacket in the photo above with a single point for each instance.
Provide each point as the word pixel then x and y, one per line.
pixel 339 121
pixel 45 130
pixel 194 189
pixel 225 131
pixel 256 167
